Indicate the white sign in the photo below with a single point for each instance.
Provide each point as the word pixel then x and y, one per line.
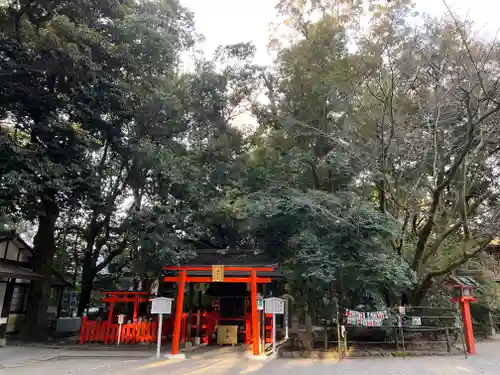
pixel 161 305
pixel 260 304
pixel 274 305
pixel 73 297
pixel 121 319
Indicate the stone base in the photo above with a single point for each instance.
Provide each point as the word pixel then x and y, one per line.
pixel 3 342
pixel 256 357
pixel 197 341
pixel 179 356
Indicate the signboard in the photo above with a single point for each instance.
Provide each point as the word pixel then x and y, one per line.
pixel 121 319
pixel 260 304
pixel 274 305
pixel 161 305
pixel 155 285
pixel 73 299
pixel 416 321
pixel 217 273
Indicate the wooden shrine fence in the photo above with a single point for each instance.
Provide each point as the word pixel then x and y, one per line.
pixel 107 333
pixel 147 331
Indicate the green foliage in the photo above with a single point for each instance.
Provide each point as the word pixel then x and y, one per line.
pixel 335 241
pixel 85 85
pixel 372 170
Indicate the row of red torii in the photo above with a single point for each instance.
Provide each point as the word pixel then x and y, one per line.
pixel 146 331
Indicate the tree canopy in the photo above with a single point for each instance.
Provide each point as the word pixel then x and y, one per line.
pixel 372 171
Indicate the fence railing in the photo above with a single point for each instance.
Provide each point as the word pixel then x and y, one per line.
pixel 108 333
pixel 406 331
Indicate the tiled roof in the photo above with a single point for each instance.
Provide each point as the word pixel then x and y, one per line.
pixel 464 280
pixel 9 270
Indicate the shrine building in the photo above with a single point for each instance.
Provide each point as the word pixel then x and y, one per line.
pixel 217 294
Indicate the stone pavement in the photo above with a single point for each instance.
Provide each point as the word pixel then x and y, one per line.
pixel 229 361
pixel 12 356
pixel 24 356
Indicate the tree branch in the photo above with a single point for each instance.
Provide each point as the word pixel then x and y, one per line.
pixel 112 255
pixel 442 236
pixel 461 261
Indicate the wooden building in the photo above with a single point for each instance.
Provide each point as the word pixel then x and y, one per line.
pixel 16 275
pixel 238 274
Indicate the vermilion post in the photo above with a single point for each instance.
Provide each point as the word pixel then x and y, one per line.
pixel 255 315
pixel 111 309
pixel 178 312
pixel 83 330
pixel 468 330
pixel 136 308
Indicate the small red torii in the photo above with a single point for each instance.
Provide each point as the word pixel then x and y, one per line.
pixel 125 297
pixel 245 274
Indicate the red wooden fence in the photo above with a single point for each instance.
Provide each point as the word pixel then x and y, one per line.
pixel 107 333
pixel 147 332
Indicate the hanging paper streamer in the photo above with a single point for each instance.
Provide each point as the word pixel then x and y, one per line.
pixel 365 319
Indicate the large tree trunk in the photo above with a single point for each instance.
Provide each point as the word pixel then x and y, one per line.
pixel 87 282
pixel 35 326
pixel 421 290
pixel 308 336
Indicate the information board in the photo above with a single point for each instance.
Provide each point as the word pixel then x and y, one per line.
pixel 161 305
pixel 274 305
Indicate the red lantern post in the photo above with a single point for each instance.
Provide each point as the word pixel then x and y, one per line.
pixel 464 295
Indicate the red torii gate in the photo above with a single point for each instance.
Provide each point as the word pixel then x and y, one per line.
pixel 249 275
pixel 125 297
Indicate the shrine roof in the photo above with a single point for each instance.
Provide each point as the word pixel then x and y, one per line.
pixel 207 258
pixel 464 280
pixel 245 258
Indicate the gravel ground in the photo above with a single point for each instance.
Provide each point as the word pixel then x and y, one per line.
pixel 227 363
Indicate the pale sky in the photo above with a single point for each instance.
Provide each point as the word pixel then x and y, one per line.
pixel 225 22
pixel 233 21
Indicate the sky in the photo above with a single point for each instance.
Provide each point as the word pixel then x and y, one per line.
pixel 232 21
pixel 225 22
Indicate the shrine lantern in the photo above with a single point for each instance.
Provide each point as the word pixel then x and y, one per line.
pixel 463 289
pixel 464 292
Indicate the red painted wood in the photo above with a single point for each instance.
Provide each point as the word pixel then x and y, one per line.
pixel 195 279
pixel 248 329
pixel 108 333
pixel 136 308
pixel 269 328
pixel 184 328
pixel 226 268
pixel 468 329
pixel 83 330
pixel 178 312
pixel 255 316
pixel 124 299
pixel 123 293
pixel 111 309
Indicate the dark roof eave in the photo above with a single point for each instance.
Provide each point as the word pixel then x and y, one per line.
pixel 8 270
pixel 11 235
